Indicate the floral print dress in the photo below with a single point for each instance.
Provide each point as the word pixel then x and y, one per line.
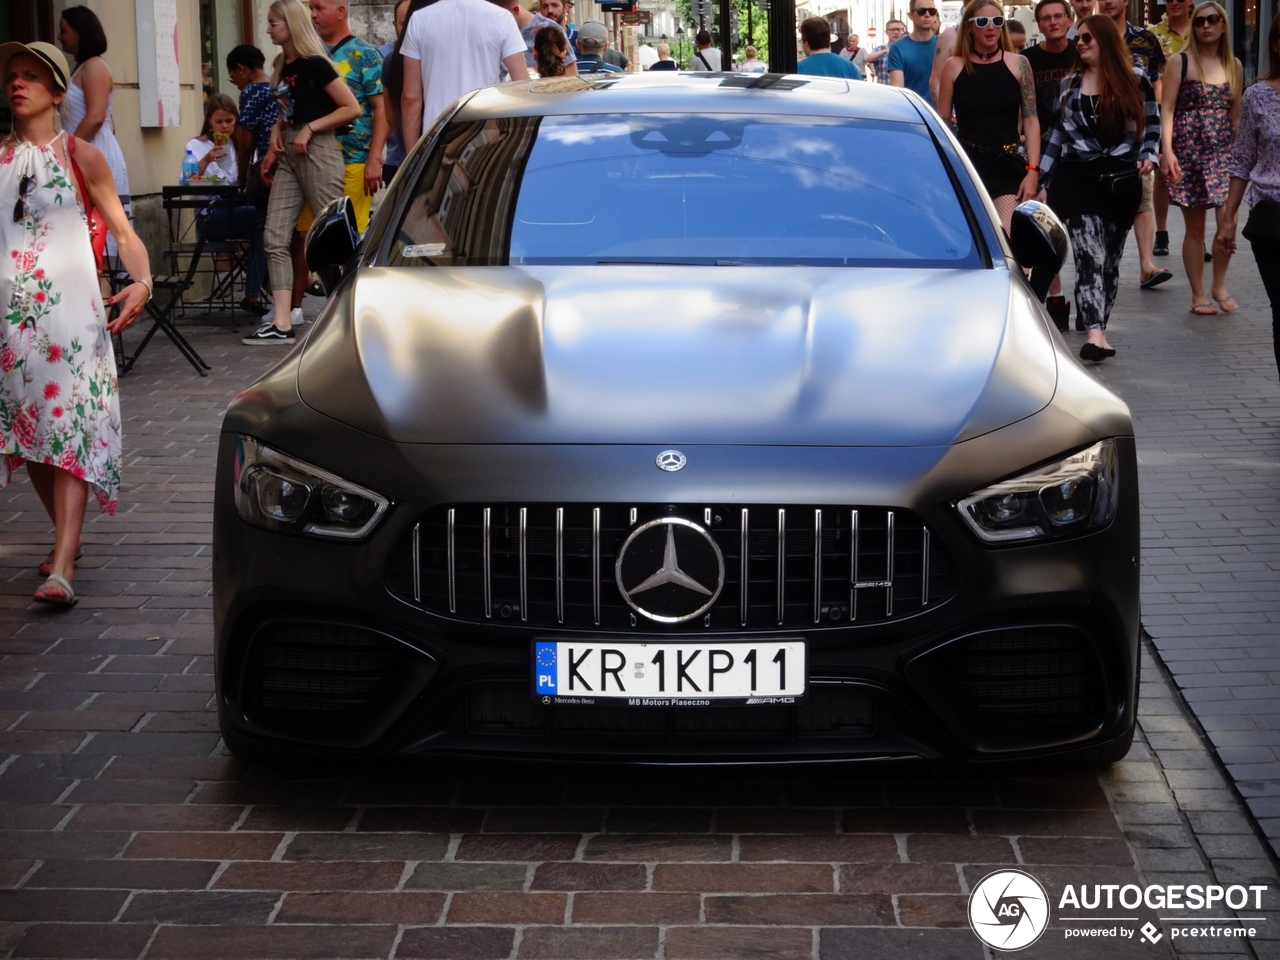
pixel 59 400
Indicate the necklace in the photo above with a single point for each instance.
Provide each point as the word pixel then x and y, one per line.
pixel 986 56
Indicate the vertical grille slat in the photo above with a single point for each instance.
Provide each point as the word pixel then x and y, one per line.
pixel 553 565
pixel 782 565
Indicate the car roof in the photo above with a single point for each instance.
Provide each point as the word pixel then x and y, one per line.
pixel 673 92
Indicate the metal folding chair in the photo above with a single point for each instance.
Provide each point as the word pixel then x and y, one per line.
pixel 175 285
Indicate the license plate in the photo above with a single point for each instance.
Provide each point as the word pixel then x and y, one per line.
pixel 669 674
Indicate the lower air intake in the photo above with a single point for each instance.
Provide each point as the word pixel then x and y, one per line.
pixel 1033 674
pixel 323 671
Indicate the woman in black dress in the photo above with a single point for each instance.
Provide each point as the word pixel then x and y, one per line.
pixel 991 89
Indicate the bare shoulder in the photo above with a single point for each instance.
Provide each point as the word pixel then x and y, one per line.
pixel 95 69
pixel 1019 65
pixel 90 159
pixel 951 69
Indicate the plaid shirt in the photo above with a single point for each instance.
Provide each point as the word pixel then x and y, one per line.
pixel 1072 137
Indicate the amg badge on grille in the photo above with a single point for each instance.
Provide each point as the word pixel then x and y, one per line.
pixel 670 570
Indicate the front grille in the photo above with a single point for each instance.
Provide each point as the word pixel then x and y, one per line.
pixel 325 671
pixel 552 566
pixel 508 709
pixel 1049 674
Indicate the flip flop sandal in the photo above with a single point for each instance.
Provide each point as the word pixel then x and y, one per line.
pixel 66 600
pixel 1223 301
pixel 1156 278
pixel 1203 309
pixel 46 568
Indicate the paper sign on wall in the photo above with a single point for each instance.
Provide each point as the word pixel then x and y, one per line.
pixel 158 93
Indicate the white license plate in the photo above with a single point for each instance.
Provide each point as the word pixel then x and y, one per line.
pixel 669 674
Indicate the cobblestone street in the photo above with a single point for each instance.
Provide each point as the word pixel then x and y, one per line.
pixel 129 831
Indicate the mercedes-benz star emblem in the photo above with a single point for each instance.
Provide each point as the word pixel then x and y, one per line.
pixel 674 567
pixel 671 460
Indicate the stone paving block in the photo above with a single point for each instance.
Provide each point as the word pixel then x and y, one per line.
pixel 202 906
pixel 300 942
pixel 898 944
pixel 101 941
pixel 667 909
pixel 738 943
pixel 348 908
pixel 483 907
pixel 604 943
pixel 468 876
pixel 456 943
pixel 744 877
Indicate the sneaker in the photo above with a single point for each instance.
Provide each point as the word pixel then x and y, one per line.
pixel 1059 311
pixel 296 318
pixel 270 333
pixel 1162 243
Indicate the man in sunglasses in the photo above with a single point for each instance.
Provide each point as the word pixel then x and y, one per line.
pixel 1148 56
pixel 910 60
pixel 1174 34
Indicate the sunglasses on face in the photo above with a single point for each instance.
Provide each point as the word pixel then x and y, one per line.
pixel 925 12
pixel 22 209
pixel 1085 38
pixel 981 22
pixel 1212 19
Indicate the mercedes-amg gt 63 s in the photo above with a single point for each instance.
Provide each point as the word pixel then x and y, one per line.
pixel 681 418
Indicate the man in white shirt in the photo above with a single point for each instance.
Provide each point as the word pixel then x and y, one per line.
pixel 705 57
pixel 450 48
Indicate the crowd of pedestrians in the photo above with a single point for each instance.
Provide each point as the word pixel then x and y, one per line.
pixel 1110 123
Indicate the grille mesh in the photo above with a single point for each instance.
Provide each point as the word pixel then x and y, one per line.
pixel 1037 673
pixel 302 669
pixel 818 557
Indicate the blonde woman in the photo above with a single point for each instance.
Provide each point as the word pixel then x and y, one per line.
pixel 304 164
pixel 1200 110
pixel 992 89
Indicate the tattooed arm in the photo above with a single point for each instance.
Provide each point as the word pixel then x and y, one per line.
pixel 1030 129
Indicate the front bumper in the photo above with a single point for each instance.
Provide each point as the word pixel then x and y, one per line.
pixel 431 684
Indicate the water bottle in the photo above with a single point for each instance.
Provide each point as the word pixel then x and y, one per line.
pixel 190 167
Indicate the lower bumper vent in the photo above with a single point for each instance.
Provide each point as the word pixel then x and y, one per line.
pixel 1045 674
pixel 506 709
pixel 323 671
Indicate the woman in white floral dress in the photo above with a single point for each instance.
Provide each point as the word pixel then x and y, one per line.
pixel 59 409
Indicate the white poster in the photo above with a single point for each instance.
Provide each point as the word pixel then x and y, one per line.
pixel 157 22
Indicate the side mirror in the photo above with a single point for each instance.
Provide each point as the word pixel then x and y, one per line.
pixel 1039 242
pixel 331 241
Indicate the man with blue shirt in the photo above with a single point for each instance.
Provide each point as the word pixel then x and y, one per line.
pixel 819 61
pixel 910 60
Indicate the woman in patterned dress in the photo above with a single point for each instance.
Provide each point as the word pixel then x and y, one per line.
pixel 1199 112
pixel 1255 177
pixel 59 408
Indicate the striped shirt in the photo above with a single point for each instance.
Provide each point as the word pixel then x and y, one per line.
pixel 1075 138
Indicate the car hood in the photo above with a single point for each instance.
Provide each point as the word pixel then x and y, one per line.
pixel 672 355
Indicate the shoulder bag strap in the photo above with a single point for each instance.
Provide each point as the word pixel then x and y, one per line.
pixel 1183 58
pixel 704 62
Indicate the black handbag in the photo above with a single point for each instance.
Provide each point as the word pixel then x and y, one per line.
pixel 1264 222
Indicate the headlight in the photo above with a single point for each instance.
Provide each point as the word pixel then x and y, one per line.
pixel 277 492
pixel 1064 499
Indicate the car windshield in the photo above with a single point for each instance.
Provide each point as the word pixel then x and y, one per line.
pixel 685 189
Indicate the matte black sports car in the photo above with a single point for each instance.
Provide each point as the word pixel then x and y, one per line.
pixel 681 418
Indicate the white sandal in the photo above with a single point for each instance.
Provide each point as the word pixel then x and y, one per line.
pixel 66 601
